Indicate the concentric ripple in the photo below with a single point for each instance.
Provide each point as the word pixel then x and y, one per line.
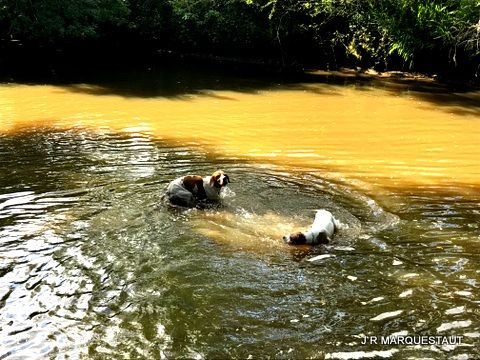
pixel 93 264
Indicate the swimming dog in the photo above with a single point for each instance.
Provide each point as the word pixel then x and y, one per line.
pixel 189 190
pixel 321 231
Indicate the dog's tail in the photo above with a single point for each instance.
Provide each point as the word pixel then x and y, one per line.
pixel 337 225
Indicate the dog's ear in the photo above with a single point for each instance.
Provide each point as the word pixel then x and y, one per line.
pixel 297 238
pixel 227 179
pixel 213 179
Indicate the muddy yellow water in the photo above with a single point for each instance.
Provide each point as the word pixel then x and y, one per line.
pixel 94 263
pixel 398 136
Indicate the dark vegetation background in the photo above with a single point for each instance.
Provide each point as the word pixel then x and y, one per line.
pixel 428 36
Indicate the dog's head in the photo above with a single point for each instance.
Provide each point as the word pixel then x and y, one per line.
pixel 219 179
pixel 295 238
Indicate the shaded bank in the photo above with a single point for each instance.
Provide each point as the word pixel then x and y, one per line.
pixel 106 70
pixel 433 37
pixel 101 64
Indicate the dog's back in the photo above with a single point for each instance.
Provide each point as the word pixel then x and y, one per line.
pixel 186 191
pixel 191 190
pixel 326 221
pixel 321 231
pixel 177 194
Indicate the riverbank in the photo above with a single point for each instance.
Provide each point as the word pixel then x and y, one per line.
pixel 88 61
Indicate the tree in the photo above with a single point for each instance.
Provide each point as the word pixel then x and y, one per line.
pixel 380 32
pixel 150 19
pixel 49 21
pixel 221 26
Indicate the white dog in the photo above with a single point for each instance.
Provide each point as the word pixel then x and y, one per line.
pixel 321 231
pixel 191 189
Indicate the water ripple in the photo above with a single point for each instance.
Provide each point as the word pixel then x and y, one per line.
pixel 93 264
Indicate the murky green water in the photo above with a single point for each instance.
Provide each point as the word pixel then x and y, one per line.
pixel 94 265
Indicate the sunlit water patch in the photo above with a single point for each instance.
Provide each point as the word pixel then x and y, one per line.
pixel 391 133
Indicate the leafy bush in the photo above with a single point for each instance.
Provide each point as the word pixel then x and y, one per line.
pixel 387 34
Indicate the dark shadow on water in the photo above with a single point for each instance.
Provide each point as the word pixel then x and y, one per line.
pixel 459 99
pixel 181 79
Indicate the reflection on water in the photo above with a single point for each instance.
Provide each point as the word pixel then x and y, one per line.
pixel 93 264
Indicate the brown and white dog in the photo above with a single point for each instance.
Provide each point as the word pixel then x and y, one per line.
pixel 191 189
pixel 321 231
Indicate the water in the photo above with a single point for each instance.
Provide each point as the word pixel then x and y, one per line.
pixel 94 265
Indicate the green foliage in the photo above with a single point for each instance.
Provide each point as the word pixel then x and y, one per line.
pixel 52 20
pixel 373 32
pixel 218 25
pixel 410 27
pixel 364 33
pixel 414 29
pixel 466 28
pixel 150 19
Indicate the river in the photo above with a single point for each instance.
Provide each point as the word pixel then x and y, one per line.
pixel 93 264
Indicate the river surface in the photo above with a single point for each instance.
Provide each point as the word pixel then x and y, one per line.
pixel 94 265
